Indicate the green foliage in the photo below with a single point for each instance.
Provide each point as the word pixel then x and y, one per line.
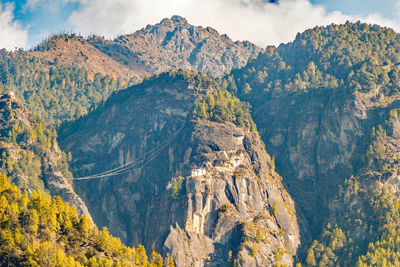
pixel 197 80
pixel 176 187
pixel 254 249
pixel 363 229
pixel 349 57
pixel 259 236
pixel 156 260
pixel 229 256
pixel 369 231
pixel 278 252
pixel 171 262
pixel 56 92
pixel 180 80
pixel 27 147
pixel 310 260
pixel 222 106
pixel 274 208
pixel 331 66
pixel 37 230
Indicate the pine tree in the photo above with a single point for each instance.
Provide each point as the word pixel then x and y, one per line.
pixel 171 262
pixel 310 260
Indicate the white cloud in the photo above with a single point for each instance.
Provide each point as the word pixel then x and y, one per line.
pixel 31 4
pixel 254 20
pixel 12 34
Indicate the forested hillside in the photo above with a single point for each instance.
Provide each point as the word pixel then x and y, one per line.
pixel 54 91
pixel 37 230
pixel 349 57
pixel 326 106
pixel 30 155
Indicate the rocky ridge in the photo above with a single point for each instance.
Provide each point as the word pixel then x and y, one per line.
pixel 175 44
pixel 171 44
pixel 210 197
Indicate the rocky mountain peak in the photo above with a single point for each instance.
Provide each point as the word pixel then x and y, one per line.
pixel 170 44
pixel 174 21
pixel 180 20
pixel 175 44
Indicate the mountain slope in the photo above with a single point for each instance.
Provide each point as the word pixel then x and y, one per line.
pixel 54 91
pixel 30 155
pixel 67 75
pixel 175 44
pixel 317 102
pixel 72 50
pixel 39 231
pixel 199 185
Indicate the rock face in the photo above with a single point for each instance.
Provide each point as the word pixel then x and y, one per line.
pixel 320 139
pixel 203 192
pixel 314 140
pixel 174 44
pixel 235 201
pixel 30 155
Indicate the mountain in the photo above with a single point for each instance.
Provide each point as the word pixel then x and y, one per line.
pixel 326 107
pixel 178 161
pixel 30 155
pixel 184 172
pixel 67 75
pixel 175 44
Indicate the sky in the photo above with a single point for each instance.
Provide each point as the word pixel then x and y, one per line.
pixel 25 23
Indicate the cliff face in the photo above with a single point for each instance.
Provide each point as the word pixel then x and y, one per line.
pixel 201 191
pixel 30 155
pixel 235 202
pixel 317 142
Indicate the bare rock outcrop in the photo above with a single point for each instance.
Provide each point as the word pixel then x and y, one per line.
pixel 210 196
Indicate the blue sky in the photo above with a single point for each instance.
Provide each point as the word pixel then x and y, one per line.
pixel 23 23
pixel 364 7
pixel 42 18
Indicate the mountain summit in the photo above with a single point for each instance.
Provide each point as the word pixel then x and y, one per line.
pixel 175 44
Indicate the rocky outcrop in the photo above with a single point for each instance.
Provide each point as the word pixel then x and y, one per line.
pixel 316 142
pixel 314 114
pixel 237 203
pixel 58 185
pixel 207 194
pixel 175 44
pixel 319 140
